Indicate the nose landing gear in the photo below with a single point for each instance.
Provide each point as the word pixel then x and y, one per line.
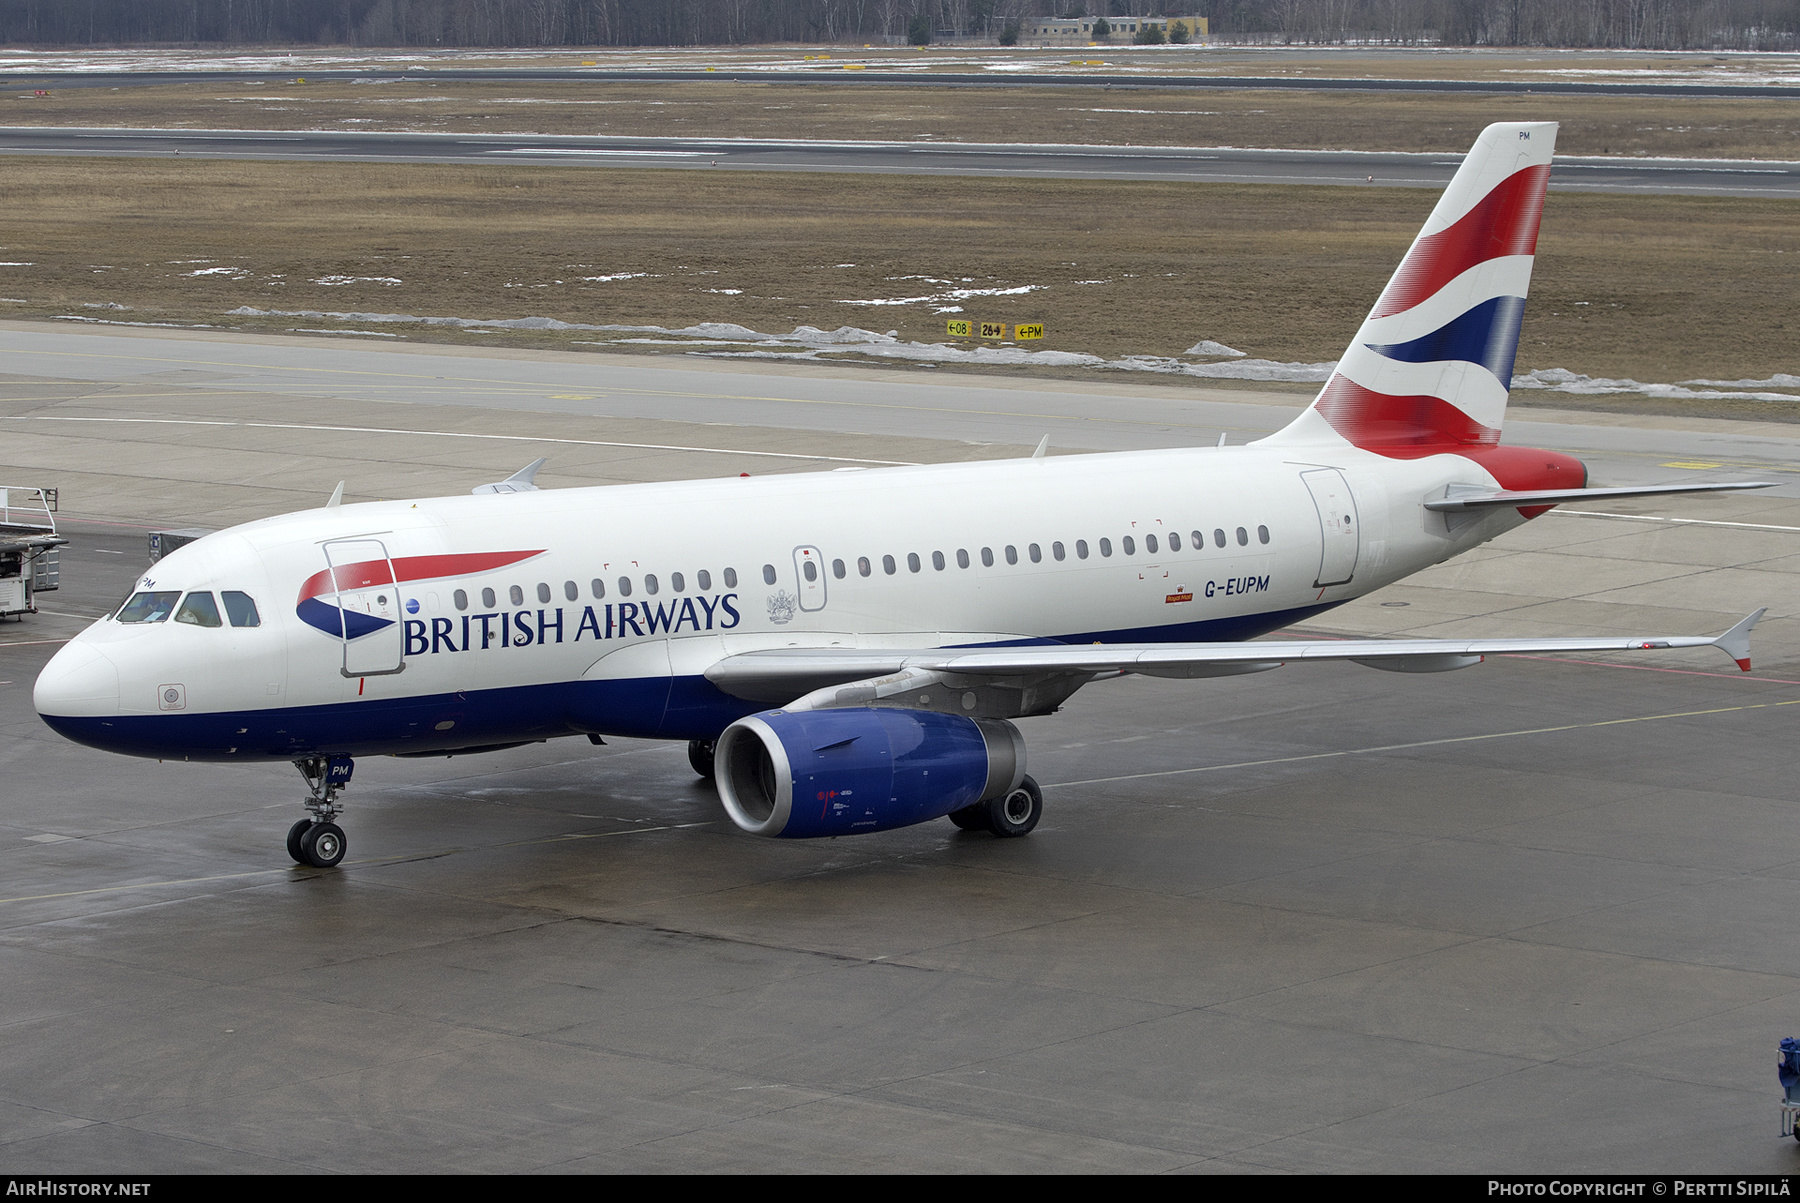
pixel 319 841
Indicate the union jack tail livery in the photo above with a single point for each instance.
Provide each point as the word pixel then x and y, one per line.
pixel 1429 370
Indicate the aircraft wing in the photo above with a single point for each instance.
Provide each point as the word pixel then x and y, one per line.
pixel 850 677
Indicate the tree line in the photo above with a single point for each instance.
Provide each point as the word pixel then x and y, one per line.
pixel 1635 24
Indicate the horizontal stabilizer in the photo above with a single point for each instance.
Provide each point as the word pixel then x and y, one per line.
pixel 1461 497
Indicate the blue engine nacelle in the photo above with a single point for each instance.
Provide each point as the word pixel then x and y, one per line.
pixel 811 773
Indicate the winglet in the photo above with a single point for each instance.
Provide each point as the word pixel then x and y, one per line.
pixel 1736 642
pixel 519 482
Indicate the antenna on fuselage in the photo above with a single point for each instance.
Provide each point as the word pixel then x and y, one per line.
pixel 1043 446
pixel 337 497
pixel 1221 438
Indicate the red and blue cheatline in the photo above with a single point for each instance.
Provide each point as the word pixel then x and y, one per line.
pixel 316 606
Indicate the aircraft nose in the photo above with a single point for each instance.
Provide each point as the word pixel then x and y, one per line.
pixel 79 682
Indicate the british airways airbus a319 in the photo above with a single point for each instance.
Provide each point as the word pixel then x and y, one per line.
pixel 845 651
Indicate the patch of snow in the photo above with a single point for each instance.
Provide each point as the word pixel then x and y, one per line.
pixel 954 294
pixel 1207 346
pixel 340 281
pixel 1261 369
pixel 18 264
pixel 107 321
pixel 619 276
pixel 236 273
pixel 1778 380
pixel 1561 380
pixel 725 292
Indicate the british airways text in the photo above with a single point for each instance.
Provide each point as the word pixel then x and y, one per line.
pixel 524 628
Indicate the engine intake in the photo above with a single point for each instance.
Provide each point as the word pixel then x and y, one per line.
pixel 809 773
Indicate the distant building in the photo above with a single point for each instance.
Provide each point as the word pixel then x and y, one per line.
pixel 1081 29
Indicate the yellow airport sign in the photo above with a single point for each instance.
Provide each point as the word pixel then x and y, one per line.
pixel 993 329
pixel 1028 330
pixel 957 327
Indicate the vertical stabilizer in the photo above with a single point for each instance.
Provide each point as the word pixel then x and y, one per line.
pixel 1430 369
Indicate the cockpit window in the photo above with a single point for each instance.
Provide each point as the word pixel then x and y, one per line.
pixel 148 607
pixel 199 610
pixel 242 610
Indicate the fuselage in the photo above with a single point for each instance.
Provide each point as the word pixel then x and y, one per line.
pixel 470 621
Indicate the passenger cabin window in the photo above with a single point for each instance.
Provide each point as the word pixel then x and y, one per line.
pixel 1012 554
pixel 863 566
pixel 731 578
pixel 768 574
pixel 1081 552
pixel 487 599
pixel 598 588
pixel 962 557
pixel 517 594
pixel 1106 547
pixel 937 560
pixel 624 586
pixel 912 561
pixel 887 565
pixel 1056 550
pixel 460 597
pixel 199 610
pixel 571 591
pixel 809 570
pixel 987 557
pixel 1130 545
pixel 1219 536
pixel 650 585
pixel 837 569
pixel 1262 534
pixel 1174 541
pixel 1036 553
pixel 148 607
pixel 1243 537
pixel 1197 540
pixel 543 591
pixel 703 578
pixel 1150 544
pixel 241 610
pixel 677 582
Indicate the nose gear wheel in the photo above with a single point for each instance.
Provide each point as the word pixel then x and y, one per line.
pixel 319 841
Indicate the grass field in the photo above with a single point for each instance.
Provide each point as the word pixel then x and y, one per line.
pixel 1650 288
pixel 1591 125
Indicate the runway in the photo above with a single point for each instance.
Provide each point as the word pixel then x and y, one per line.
pixel 1534 916
pixel 1012 77
pixel 1694 177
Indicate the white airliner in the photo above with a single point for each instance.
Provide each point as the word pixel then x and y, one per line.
pixel 844 650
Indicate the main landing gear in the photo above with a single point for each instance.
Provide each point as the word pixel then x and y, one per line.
pixel 319 841
pixel 1010 815
pixel 700 756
